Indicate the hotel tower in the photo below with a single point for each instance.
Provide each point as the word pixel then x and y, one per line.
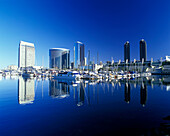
pixel 26 55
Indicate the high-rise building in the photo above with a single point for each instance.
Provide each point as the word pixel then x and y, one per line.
pixel 143 50
pixel 127 52
pixel 82 57
pixel 79 59
pixel 59 58
pixel 26 54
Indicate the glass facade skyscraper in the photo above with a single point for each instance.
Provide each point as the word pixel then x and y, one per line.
pixel 26 54
pixel 82 58
pixel 76 55
pixel 127 52
pixel 79 59
pixel 143 50
pixel 59 58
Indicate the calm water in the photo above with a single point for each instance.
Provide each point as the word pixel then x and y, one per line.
pixel 39 107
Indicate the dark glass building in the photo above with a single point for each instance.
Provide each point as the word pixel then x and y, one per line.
pixel 79 59
pixel 59 58
pixel 82 58
pixel 127 51
pixel 143 50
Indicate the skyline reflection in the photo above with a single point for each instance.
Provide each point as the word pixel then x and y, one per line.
pixel 113 103
pixel 84 92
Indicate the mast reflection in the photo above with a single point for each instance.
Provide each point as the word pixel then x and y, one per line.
pixel 26 92
pixel 88 91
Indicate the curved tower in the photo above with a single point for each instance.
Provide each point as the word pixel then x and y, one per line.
pixel 59 58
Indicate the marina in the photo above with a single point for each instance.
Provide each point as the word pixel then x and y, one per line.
pixel 111 71
pixel 84 107
pixel 84 68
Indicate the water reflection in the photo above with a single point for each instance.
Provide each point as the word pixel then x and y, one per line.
pixel 143 94
pixel 162 130
pixel 166 80
pixel 26 92
pixel 107 111
pixel 59 88
pixel 127 92
pixel 88 91
pixel 80 94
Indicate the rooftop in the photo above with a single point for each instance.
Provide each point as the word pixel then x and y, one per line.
pixel 26 43
pixel 62 49
pixel 79 42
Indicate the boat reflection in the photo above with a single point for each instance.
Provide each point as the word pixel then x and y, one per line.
pixel 26 92
pixel 89 92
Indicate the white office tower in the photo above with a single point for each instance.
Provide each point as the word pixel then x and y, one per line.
pixel 26 54
pixel 26 92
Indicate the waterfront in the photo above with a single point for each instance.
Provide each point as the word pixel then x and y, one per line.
pixel 61 107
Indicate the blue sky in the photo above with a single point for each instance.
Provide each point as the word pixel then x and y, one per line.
pixel 103 26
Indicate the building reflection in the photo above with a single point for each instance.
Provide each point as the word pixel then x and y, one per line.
pixel 26 92
pixel 127 92
pixel 166 81
pixel 168 88
pixel 81 91
pixel 59 89
pixel 143 94
pixel 88 91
